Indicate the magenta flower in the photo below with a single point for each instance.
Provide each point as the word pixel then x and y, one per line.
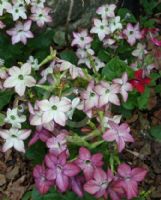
pixel 77 185
pixel 90 97
pixel 60 170
pixel 42 184
pixel 97 186
pixel 130 178
pixel 42 135
pixel 57 144
pixel 118 133
pixel 21 32
pixel 88 163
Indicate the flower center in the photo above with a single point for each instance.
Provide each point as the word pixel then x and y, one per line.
pixel 12 117
pixel 102 27
pixel 82 38
pixel 54 107
pixel 131 32
pixel 87 162
pixel 92 94
pixel 107 91
pixel 20 77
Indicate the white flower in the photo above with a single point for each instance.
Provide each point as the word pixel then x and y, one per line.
pixel 4 5
pixel 38 3
pixel 1 62
pixel 14 138
pixel 20 78
pixel 115 24
pixel 106 11
pixel 14 119
pixel 98 63
pixel 100 28
pixel 107 118
pixel 18 11
pixel 140 51
pixel 33 62
pixel 55 109
pixel 75 104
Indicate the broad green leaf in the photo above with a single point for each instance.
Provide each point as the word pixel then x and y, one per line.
pixel 5 97
pixel 27 196
pixel 69 55
pixel 2 117
pixel 125 14
pixel 143 99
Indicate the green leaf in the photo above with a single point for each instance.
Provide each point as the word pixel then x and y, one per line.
pixel 143 99
pixel 69 55
pixel 5 97
pixel 27 196
pixel 126 14
pixel 156 132
pixel 2 117
pixel 103 55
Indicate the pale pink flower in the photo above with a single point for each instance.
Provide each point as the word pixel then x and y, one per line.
pixel 14 138
pixel 130 178
pixel 100 28
pixel 81 39
pixel 41 15
pixel 125 87
pixel 106 11
pixel 140 51
pixel 88 163
pixel 132 33
pixel 2 25
pixel 60 170
pixel 55 109
pixel 21 32
pixel 115 24
pixel 20 78
pixel 118 133
pixel 107 93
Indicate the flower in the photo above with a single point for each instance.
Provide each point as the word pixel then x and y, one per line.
pixel 60 170
pixel 14 118
pixel 20 78
pixel 100 28
pixel 97 186
pixel 88 163
pixel 124 86
pixel 107 93
pixel 130 178
pixel 119 133
pixel 75 104
pixel 77 185
pixel 14 138
pixel 21 32
pixel 42 183
pixel 106 11
pixel 41 15
pixel 140 51
pixel 33 62
pixel 17 11
pixel 115 24
pixel 139 82
pixel 90 97
pixel 38 3
pixel 4 6
pixel 2 25
pixel 55 109
pixel 132 33
pixel 81 39
pixel 156 42
pixel 57 144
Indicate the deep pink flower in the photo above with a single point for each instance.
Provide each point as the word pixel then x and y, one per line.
pixel 77 185
pixel 156 42
pixel 42 184
pixel 42 135
pixel 130 178
pixel 60 170
pixel 118 133
pixel 88 163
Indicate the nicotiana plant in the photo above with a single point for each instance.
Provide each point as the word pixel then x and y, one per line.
pixel 73 107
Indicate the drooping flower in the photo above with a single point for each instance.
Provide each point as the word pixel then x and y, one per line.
pixel 118 133
pixel 132 33
pixel 130 179
pixel 55 109
pixel 100 28
pixel 107 93
pixel 75 104
pixel 21 32
pixel 77 185
pixel 106 11
pixel 20 78
pixel 60 170
pixel 14 118
pixel 124 86
pixel 81 39
pixel 139 82
pixel 88 163
pixel 42 183
pixel 14 138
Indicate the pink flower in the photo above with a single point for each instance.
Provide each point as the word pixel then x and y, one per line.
pixel 97 186
pixel 57 144
pixel 81 39
pixel 2 25
pixel 77 185
pixel 42 183
pixel 42 135
pixel 107 93
pixel 124 86
pixel 88 163
pixel 41 15
pixel 21 32
pixel 132 33
pixel 60 170
pixel 118 133
pixel 156 42
pixel 130 178
pixel 89 96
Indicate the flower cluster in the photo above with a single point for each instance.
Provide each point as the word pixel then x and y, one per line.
pixel 23 13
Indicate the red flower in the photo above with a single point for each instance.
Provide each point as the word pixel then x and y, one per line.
pixel 140 81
